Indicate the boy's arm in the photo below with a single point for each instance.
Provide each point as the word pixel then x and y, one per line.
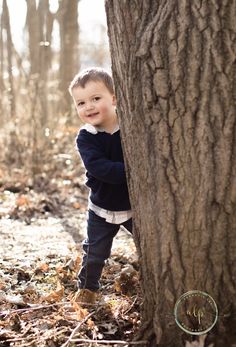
pixel 98 165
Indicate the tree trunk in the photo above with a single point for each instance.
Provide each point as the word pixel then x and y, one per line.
pixel 1 67
pixel 9 45
pixel 39 22
pixel 32 24
pixel 174 69
pixel 69 39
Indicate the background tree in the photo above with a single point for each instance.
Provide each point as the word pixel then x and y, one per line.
pixel 6 28
pixel 36 67
pixel 1 64
pixel 32 26
pixel 174 69
pixel 1 67
pixel 39 22
pixel 69 38
pixel 39 25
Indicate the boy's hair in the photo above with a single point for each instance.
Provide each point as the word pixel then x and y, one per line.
pixel 95 74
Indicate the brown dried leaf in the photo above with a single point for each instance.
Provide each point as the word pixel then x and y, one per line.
pixel 22 201
pixel 76 205
pixel 126 281
pixel 44 267
pixel 81 313
pixel 55 296
pixel 77 263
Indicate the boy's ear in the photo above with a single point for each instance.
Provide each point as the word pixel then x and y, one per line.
pixel 114 100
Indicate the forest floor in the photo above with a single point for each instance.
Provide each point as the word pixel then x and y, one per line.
pixel 41 229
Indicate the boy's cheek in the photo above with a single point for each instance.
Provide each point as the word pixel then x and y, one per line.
pixel 78 112
pixel 105 109
pixel 76 107
pixel 80 115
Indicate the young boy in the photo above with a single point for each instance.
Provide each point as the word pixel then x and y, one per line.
pixel 99 146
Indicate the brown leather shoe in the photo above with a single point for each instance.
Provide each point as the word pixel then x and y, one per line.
pixel 85 296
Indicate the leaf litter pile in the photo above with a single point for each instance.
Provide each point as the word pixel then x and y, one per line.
pixel 40 255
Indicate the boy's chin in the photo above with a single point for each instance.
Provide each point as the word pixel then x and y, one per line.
pixel 95 124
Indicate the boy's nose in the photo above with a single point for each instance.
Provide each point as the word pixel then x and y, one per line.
pixel 89 106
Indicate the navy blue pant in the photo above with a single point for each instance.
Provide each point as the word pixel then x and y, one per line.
pixel 97 248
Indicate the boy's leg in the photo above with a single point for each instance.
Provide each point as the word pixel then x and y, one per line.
pixel 128 225
pixel 97 248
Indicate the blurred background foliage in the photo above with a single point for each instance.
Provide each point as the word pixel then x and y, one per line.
pixel 38 119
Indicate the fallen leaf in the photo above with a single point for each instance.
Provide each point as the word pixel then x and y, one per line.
pixel 15 299
pixel 55 296
pixel 126 280
pixel 44 267
pixel 81 313
pixel 111 329
pixel 77 205
pixel 22 201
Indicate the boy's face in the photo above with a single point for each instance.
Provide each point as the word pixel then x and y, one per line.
pixel 94 103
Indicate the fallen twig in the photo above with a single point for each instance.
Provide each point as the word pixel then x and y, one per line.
pixel 77 328
pixel 17 339
pixel 22 338
pixel 131 306
pixel 32 308
pixel 117 342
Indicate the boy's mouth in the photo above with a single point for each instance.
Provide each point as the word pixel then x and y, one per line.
pixel 92 115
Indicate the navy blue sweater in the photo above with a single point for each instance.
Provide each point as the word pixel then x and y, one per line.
pixel 102 156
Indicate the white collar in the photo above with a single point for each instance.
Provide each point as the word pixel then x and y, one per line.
pixel 94 130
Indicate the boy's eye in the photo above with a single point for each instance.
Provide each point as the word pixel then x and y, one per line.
pixel 81 103
pixel 96 98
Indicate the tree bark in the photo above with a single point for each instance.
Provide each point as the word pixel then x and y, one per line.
pixel 32 24
pixel 9 45
pixel 173 64
pixel 39 22
pixel 1 66
pixel 69 39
